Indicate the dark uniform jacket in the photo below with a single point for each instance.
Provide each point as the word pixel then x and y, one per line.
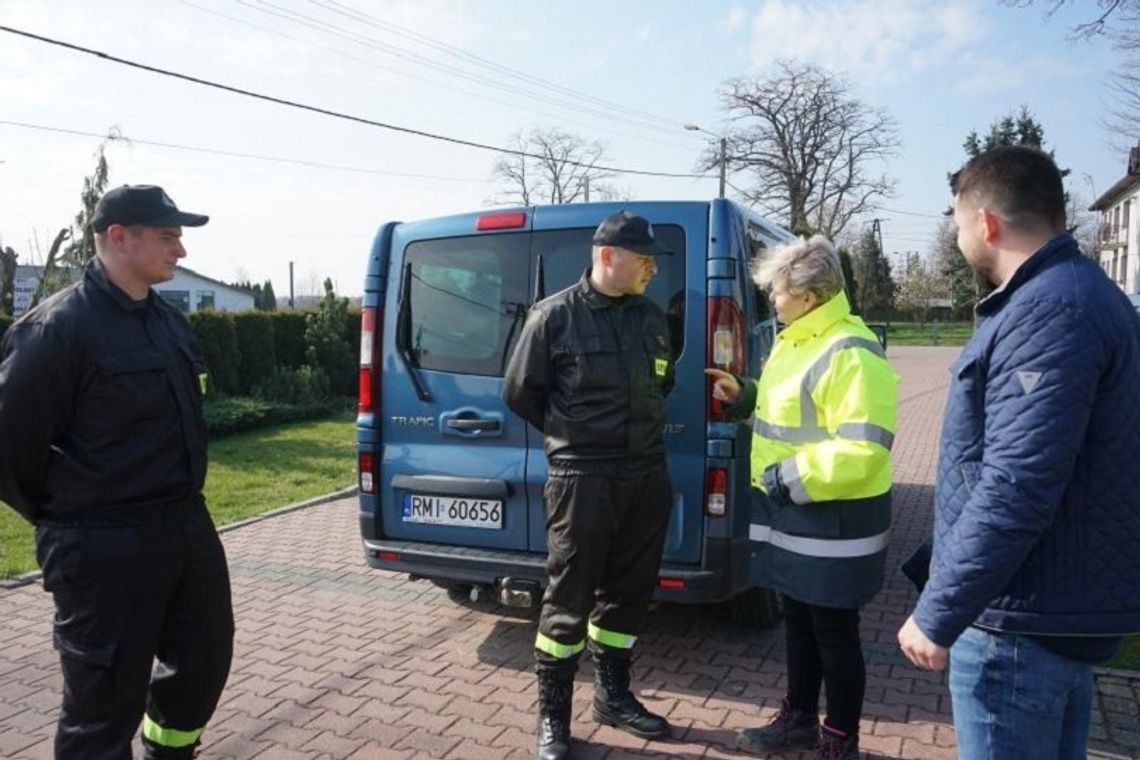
pixel 591 372
pixel 100 404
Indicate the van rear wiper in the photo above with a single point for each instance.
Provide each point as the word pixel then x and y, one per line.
pixel 404 335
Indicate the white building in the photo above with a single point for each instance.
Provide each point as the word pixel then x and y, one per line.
pixel 1119 231
pixel 189 291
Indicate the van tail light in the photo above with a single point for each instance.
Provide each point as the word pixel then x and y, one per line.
pixel 366 469
pixel 371 319
pixel 725 332
pixel 678 583
pixel 716 492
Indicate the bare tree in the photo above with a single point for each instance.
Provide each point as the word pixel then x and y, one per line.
pixel 549 165
pixel 1118 21
pixel 810 146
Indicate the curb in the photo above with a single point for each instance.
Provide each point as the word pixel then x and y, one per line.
pixel 32 577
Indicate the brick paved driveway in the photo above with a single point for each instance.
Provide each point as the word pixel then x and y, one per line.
pixel 335 660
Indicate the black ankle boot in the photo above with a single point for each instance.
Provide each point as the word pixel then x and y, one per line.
pixel 614 703
pixel 555 697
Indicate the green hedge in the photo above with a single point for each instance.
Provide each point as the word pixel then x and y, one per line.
pixel 289 338
pixel 257 354
pixel 226 416
pixel 218 341
pixel 4 322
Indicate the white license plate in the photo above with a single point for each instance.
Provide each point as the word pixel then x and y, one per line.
pixel 445 510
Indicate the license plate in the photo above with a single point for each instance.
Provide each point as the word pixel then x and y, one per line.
pixel 446 510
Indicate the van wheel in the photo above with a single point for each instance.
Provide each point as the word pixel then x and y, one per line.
pixel 755 608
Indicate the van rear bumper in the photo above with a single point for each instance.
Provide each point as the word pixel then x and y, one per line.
pixel 722 574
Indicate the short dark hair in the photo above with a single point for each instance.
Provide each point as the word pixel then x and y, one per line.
pixel 1021 183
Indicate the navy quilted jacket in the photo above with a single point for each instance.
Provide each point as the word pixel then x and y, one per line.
pixel 1037 505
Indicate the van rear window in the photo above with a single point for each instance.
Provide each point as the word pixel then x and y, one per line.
pixel 468 298
pixel 566 254
pixel 469 295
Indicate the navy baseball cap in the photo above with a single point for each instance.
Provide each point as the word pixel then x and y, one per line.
pixel 630 231
pixel 146 205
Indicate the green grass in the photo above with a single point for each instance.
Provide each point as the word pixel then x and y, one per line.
pixel 1128 657
pixel 249 474
pixel 930 334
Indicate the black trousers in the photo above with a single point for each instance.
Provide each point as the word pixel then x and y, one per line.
pixel 823 646
pixel 127 595
pixel 605 530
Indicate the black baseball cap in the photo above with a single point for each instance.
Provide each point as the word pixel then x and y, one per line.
pixel 148 205
pixel 630 231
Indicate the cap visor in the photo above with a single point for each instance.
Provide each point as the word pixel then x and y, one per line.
pixel 651 249
pixel 180 219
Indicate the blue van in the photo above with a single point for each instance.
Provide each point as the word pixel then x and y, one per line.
pixel 451 481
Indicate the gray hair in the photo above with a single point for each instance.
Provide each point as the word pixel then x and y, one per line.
pixel 801 266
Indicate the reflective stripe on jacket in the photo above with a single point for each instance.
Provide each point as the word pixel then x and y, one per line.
pixel 825 415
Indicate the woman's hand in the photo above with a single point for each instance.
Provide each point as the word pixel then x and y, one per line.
pixel 725 387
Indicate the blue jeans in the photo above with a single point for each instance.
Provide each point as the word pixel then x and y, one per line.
pixel 1015 699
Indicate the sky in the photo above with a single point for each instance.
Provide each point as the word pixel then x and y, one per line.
pixel 312 189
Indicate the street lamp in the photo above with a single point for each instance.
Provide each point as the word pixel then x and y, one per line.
pixel 723 150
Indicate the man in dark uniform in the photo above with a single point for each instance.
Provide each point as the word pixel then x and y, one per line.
pixel 591 371
pixel 103 449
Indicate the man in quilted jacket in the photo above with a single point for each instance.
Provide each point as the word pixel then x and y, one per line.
pixel 1035 574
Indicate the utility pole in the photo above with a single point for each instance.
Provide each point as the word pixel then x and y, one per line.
pixel 723 162
pixel 587 188
pixel 290 284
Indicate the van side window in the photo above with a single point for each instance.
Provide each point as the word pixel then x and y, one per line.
pixel 566 254
pixel 467 300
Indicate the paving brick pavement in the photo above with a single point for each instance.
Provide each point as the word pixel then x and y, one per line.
pixel 335 660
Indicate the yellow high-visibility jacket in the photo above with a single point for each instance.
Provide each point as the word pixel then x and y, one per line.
pixel 825 413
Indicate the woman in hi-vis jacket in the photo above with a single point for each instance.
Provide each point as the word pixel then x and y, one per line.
pixel 823 423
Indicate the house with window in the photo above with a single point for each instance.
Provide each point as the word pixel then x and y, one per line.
pixel 189 291
pixel 1119 231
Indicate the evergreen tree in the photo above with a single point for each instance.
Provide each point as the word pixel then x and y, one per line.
pixel 326 341
pixel 850 284
pixel 268 297
pixel 875 288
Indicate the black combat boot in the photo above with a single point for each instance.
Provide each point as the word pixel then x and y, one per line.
pixel 614 703
pixel 555 697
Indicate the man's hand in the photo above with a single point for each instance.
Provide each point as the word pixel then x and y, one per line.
pixel 725 388
pixel 920 650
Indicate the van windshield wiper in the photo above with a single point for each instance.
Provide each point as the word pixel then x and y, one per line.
pixel 404 335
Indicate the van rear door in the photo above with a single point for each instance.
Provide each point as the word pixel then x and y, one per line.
pixel 452 469
pixel 561 248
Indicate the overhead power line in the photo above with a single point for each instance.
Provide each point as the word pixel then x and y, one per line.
pixel 913 213
pixel 340 50
pixel 328 112
pixel 236 154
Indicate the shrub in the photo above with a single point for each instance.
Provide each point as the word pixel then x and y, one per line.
pixel 304 385
pixel 216 338
pixel 289 338
pixel 4 322
pixel 254 330
pixel 327 343
pixel 227 416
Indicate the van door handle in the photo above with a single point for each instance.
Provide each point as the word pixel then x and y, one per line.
pixel 470 425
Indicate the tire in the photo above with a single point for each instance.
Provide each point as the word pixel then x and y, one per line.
pixel 755 608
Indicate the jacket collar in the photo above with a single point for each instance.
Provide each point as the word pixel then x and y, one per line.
pixel 596 299
pixel 96 274
pixel 1058 248
pixel 816 321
